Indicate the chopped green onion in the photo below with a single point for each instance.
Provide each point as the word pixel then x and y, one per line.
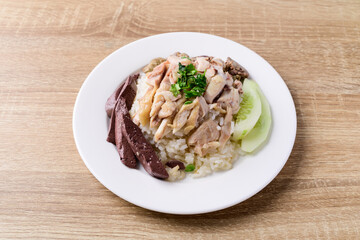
pixel 189 81
pixel 189 168
pixel 175 89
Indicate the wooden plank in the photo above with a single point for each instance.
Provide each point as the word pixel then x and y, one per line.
pixel 47 48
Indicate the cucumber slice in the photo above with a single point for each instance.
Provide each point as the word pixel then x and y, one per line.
pixel 250 110
pixel 262 128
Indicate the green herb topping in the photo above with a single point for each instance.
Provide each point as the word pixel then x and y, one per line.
pixel 189 168
pixel 189 82
pixel 188 102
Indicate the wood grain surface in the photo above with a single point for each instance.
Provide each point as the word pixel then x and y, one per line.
pixel 47 49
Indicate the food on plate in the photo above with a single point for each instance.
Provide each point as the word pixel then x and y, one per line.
pixel 187 115
pixel 250 110
pixel 261 129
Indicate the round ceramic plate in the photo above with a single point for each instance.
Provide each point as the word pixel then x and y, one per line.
pixel 217 191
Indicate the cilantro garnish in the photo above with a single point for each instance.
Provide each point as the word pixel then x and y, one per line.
pixel 187 102
pixel 190 82
pixel 175 89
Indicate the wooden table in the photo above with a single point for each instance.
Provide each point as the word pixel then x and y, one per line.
pixel 47 48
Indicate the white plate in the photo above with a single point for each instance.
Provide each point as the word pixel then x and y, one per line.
pixel 220 190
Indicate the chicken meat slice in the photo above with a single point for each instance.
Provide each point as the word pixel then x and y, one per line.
pixel 167 109
pixel 207 132
pixel 165 126
pixel 215 86
pixel 161 96
pixel 165 83
pixel 160 99
pixel 177 58
pixel 230 97
pixel 153 63
pixel 204 107
pixel 202 63
pixel 145 103
pixel 226 128
pixel 192 120
pixel 173 77
pixel 217 107
pixel 162 130
pixel 217 62
pixel 207 148
pixel 210 72
pixel 156 75
pixel 182 115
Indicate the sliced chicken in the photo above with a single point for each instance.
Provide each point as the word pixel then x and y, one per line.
pixel 230 97
pixel 192 120
pixel 204 107
pixel 174 75
pixel 156 106
pixel 202 63
pixel 155 121
pixel 226 128
pixel 217 107
pixel 165 83
pixel 215 86
pixel 162 130
pixel 167 109
pixel 207 148
pixel 217 62
pixel 170 104
pixel 183 114
pixel 153 63
pixel 182 55
pixel 179 103
pixel 175 58
pixel 210 72
pixel 145 103
pixel 207 132
pixel 159 99
pixel 184 60
pixel 164 106
pixel 155 76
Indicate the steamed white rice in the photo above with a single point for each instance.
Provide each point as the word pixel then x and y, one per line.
pixel 174 146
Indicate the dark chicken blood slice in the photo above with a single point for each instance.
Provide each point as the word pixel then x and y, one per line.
pixel 174 163
pixel 127 90
pixel 111 101
pixel 142 148
pixel 127 156
pixel 111 132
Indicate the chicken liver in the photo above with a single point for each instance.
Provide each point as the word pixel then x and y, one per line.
pixel 142 148
pixel 127 90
